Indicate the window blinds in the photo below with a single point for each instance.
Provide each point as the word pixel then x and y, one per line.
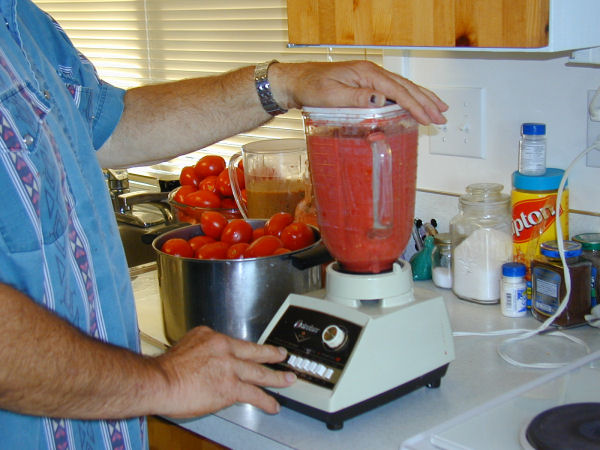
pixel 134 42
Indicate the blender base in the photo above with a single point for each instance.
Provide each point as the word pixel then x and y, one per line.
pixel 350 359
pixel 335 420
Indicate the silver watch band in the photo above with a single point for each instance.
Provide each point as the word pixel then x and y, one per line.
pixel 263 89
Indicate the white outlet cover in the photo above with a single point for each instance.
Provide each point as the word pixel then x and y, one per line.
pixel 463 133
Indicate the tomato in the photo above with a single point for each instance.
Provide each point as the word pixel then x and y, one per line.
pixel 182 191
pixel 237 230
pixel 198 241
pixel 244 196
pixel 177 247
pixel 236 251
pixel 209 184
pixel 278 222
pixel 281 251
pixel 297 235
pixel 258 232
pixel 224 184
pixel 212 223
pixel 213 250
pixel 209 165
pixel 228 203
pixel 263 246
pixel 203 199
pixel 188 177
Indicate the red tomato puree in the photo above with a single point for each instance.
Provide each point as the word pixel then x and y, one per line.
pixel 341 168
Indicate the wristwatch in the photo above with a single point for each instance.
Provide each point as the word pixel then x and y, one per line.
pixel 263 89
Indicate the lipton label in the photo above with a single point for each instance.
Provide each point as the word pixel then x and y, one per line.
pixel 534 221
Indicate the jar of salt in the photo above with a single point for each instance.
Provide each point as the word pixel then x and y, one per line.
pixel 481 242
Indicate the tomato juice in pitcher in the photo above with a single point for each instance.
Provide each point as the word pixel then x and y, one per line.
pixel 363 166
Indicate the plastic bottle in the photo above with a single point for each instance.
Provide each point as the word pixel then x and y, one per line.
pixel 532 149
pixel 513 299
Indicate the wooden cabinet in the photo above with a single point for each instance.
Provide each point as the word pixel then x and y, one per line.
pixel 552 25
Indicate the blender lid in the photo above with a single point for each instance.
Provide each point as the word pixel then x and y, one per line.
pixel 352 113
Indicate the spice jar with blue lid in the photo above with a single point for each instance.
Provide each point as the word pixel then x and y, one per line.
pixel 548 287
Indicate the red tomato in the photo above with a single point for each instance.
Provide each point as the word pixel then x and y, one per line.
pixel 241 165
pixel 281 251
pixel 244 195
pixel 198 241
pixel 209 184
pixel 224 184
pixel 188 177
pixel 213 250
pixel 209 165
pixel 212 223
pixel 258 232
pixel 182 191
pixel 237 230
pixel 278 222
pixel 177 247
pixel 228 203
pixel 203 199
pixel 263 246
pixel 297 235
pixel 236 251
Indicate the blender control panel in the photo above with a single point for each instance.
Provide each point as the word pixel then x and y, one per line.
pixel 318 344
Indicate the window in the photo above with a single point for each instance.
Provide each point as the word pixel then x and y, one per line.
pixel 134 42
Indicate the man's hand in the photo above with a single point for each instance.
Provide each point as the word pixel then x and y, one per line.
pixel 207 371
pixel 358 84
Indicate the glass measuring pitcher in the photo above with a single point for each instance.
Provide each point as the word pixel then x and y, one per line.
pixel 364 168
pixel 276 177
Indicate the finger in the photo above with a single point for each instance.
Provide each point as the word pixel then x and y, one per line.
pixel 258 397
pixel 260 375
pixel 257 352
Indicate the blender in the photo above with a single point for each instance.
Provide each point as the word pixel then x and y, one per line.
pixel 370 335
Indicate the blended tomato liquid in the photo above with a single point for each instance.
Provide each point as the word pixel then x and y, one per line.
pixel 341 164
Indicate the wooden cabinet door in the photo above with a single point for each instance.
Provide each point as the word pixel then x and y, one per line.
pixel 419 23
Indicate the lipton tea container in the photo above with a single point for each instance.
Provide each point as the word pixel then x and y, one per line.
pixel 534 214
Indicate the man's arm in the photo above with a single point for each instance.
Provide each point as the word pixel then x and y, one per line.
pixel 165 120
pixel 205 372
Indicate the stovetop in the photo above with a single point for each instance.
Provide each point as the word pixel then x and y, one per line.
pixel 500 423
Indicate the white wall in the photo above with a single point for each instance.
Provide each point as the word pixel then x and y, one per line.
pixel 517 88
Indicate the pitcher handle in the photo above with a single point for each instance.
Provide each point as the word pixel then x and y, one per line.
pixel 235 187
pixel 382 186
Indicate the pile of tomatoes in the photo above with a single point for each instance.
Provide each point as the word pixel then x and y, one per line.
pixel 236 239
pixel 207 184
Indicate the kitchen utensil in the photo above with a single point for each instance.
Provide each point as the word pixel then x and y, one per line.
pixel 235 297
pixel 276 174
pixel 370 335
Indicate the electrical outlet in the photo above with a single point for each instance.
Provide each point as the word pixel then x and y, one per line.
pixel 462 134
pixel 592 159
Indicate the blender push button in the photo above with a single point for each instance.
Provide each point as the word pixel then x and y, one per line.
pixel 312 367
pixel 320 369
pixel 328 373
pixel 292 360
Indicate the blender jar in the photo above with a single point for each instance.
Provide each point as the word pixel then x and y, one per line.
pixel 481 242
pixel 363 167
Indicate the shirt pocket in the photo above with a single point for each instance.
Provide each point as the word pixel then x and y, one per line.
pixel 34 210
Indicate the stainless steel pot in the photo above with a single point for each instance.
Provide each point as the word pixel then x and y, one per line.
pixel 235 297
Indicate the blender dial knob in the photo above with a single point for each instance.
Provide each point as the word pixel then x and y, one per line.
pixel 333 336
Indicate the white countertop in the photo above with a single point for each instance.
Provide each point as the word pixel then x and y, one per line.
pixel 478 374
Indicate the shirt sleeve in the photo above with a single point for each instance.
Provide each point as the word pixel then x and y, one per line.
pixel 108 113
